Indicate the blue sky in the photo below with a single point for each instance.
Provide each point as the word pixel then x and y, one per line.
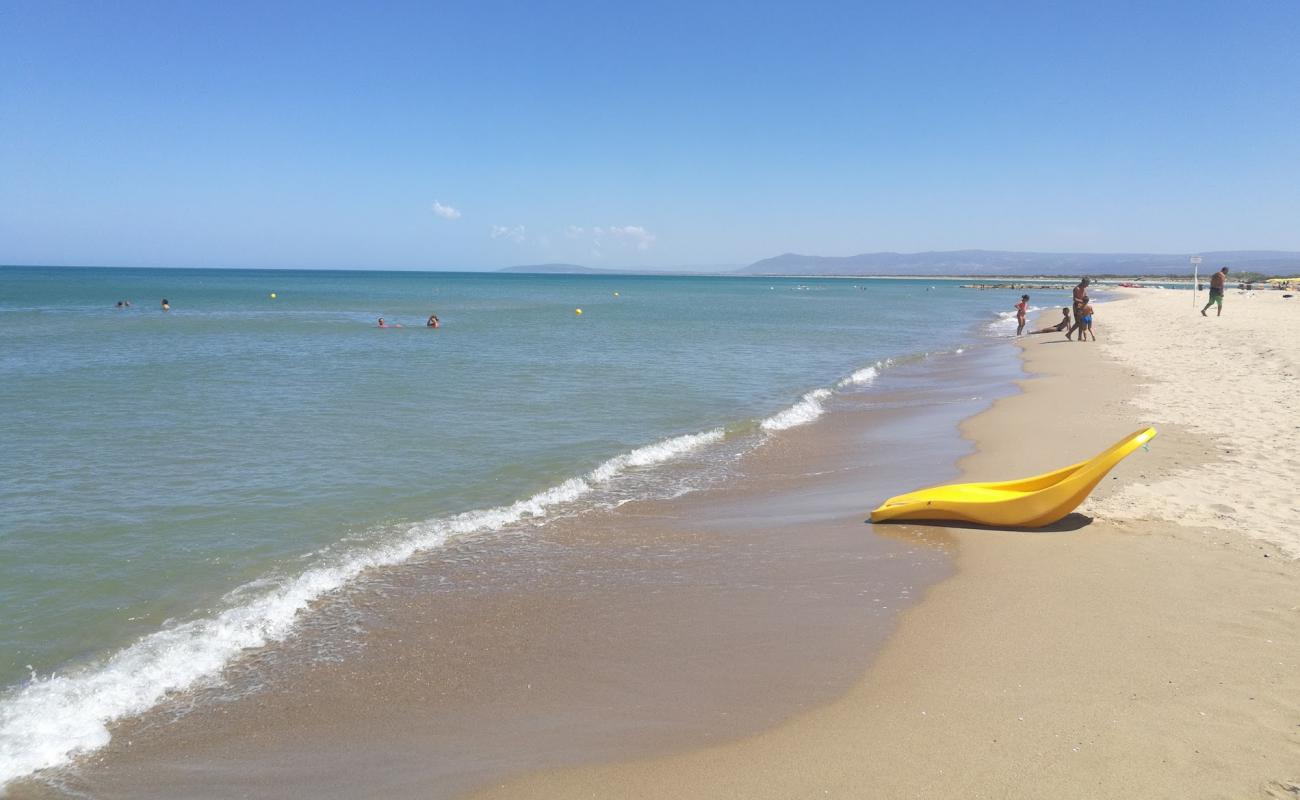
pixel 323 134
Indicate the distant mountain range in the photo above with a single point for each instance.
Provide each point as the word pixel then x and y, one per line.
pixel 564 269
pixel 983 262
pixel 1006 262
pixel 976 263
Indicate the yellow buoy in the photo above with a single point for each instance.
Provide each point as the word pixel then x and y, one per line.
pixel 577 311
pixel 272 295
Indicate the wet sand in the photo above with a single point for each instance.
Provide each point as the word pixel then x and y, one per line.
pixel 656 628
pixel 1107 657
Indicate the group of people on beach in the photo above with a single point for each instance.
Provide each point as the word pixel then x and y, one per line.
pixel 1083 312
pixel 1081 322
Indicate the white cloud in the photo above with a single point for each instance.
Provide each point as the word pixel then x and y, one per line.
pixel 515 234
pixel 446 212
pixel 634 235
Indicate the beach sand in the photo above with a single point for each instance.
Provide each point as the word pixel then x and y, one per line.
pixel 1234 381
pixel 1147 647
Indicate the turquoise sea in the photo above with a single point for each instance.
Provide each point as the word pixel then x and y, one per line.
pixel 179 486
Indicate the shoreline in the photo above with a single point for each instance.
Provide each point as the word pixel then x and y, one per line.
pixel 1111 658
pixel 712 639
pixel 245 596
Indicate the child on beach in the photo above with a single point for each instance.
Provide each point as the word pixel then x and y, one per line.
pixel 1058 327
pixel 1021 308
pixel 1085 322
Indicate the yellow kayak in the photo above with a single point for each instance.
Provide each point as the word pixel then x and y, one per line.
pixel 1026 503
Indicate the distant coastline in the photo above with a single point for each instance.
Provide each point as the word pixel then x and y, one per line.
pixel 1247 265
pixel 982 264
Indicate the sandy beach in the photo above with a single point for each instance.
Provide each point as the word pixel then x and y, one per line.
pixel 1148 646
pixel 454 402
pixel 756 639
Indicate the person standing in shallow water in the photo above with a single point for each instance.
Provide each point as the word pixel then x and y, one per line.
pixel 1022 308
pixel 1217 282
pixel 166 306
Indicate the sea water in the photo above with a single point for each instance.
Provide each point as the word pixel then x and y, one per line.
pixel 178 486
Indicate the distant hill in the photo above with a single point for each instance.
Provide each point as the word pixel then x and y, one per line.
pixel 579 269
pixel 970 262
pixel 1006 262
pixel 561 269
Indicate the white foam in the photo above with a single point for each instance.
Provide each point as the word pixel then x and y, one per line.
pixel 1006 321
pixel 862 377
pixel 806 410
pixel 656 453
pixel 49 721
pixel 865 376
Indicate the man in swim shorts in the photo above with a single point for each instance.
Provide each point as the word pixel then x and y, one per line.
pixel 1080 300
pixel 1216 292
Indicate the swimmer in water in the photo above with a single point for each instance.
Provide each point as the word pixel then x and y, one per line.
pixel 383 324
pixel 433 321
pixel 166 306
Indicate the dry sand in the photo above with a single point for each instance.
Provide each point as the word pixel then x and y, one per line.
pixel 1121 656
pixel 1235 380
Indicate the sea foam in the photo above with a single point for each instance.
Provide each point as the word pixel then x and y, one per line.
pixel 810 405
pixel 806 410
pixel 865 376
pixel 51 720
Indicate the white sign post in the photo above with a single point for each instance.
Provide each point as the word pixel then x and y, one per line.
pixel 1196 277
